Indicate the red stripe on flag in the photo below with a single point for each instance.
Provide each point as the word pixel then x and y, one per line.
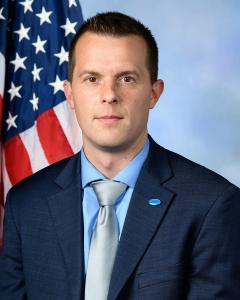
pixel 52 138
pixel 17 160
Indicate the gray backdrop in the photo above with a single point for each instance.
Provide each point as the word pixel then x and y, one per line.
pixel 198 115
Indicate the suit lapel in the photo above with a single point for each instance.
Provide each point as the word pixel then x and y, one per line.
pixel 66 210
pixel 142 220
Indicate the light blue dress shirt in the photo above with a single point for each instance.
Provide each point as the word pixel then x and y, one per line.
pixel 90 205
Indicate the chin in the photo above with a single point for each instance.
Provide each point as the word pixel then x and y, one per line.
pixel 113 145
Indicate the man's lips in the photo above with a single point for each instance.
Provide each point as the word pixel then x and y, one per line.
pixel 109 119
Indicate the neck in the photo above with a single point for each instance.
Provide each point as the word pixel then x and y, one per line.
pixel 110 163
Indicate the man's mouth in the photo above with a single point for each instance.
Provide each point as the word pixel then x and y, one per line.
pixel 109 119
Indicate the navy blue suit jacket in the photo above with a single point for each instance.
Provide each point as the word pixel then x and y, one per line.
pixel 187 248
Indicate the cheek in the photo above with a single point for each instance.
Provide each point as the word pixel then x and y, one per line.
pixel 138 114
pixel 85 99
pixel 80 100
pixel 82 111
pixel 140 104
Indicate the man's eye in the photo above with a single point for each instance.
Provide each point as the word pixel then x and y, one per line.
pixel 92 79
pixel 128 79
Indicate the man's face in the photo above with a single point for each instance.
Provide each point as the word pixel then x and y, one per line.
pixel 111 90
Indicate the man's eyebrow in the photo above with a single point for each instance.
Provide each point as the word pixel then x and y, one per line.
pixel 88 72
pixel 127 72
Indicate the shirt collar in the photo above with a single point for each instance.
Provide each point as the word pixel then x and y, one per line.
pixel 127 175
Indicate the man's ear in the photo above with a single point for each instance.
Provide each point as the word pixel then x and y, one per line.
pixel 157 90
pixel 68 93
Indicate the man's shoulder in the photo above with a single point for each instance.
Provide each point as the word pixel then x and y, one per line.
pixel 191 171
pixel 189 174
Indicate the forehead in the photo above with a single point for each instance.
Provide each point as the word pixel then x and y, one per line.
pixel 110 49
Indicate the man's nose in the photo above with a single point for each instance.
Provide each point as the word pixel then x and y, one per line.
pixel 109 93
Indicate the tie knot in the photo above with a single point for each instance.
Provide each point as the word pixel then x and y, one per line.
pixel 107 191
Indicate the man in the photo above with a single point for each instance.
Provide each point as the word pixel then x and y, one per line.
pixel 178 223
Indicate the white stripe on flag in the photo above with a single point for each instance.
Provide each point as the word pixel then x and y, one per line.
pixel 6 180
pixel 34 148
pixel 2 73
pixel 69 124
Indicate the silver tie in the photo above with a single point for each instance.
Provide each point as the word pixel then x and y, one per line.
pixel 104 240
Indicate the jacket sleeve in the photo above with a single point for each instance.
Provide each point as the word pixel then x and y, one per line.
pixel 12 285
pixel 216 253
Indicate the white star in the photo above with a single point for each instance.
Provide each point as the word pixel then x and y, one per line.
pixel 27 5
pixel 35 72
pixel 39 45
pixel 1 14
pixel 14 91
pixel 34 102
pixel 69 27
pixel 11 121
pixel 72 3
pixel 23 32
pixel 44 16
pixel 57 84
pixel 18 62
pixel 62 55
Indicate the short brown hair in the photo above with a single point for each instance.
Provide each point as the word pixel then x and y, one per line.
pixel 117 24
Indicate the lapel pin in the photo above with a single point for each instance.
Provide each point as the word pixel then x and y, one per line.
pixel 154 202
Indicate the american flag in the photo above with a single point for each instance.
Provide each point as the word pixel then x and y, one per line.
pixel 37 126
